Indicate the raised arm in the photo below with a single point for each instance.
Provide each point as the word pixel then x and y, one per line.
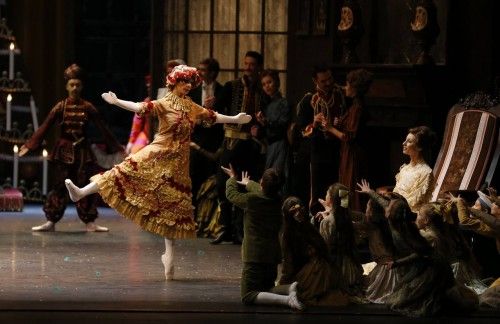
pixel 111 98
pixel 364 187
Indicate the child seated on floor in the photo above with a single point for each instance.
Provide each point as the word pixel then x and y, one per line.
pixel 306 259
pixel 337 230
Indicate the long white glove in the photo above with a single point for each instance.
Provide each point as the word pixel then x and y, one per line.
pixel 241 118
pixel 111 98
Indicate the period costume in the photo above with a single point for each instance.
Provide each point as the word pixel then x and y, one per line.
pixel 482 223
pixel 325 147
pixel 415 183
pixel 487 225
pixel 381 280
pixel 277 114
pixel 425 282
pixel 462 267
pixel 306 260
pixel 239 148
pixel 152 187
pixel 422 282
pixel 208 138
pixel 344 259
pixel 71 154
pixel 260 251
pixel 352 124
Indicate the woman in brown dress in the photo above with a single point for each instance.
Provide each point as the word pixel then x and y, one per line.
pixel 347 129
pixel 152 187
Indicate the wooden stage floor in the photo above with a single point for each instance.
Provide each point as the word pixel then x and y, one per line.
pixel 117 277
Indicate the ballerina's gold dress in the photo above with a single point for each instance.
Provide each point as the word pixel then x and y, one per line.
pixel 152 187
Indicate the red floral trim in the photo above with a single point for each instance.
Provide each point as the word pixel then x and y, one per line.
pixel 184 73
pixel 177 186
pixel 119 185
pixel 153 213
pixel 133 164
pixel 212 116
pixel 184 220
pixel 147 107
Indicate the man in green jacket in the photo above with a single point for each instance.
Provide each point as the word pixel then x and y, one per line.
pixel 260 250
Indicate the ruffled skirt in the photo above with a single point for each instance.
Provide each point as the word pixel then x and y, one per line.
pixel 153 189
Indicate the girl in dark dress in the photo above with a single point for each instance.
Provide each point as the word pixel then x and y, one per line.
pixel 306 259
pixel 438 224
pixel 382 279
pixel 425 280
pixel 338 232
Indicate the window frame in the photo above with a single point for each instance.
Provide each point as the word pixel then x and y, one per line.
pixel 236 69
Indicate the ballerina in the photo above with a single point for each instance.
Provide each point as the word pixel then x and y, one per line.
pixel 152 187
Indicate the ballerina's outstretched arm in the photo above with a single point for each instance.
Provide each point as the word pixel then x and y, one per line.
pixel 240 118
pixel 111 98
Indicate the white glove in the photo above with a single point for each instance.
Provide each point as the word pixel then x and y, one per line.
pixel 111 98
pixel 240 118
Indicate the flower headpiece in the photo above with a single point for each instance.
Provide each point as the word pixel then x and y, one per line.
pixel 184 73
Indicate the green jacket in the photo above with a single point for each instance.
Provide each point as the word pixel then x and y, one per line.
pixel 261 222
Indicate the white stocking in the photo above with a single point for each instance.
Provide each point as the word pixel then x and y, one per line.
pixel 266 298
pixel 168 259
pixel 76 193
pixel 291 300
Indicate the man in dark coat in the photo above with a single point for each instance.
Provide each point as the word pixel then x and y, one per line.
pixel 241 146
pixel 208 95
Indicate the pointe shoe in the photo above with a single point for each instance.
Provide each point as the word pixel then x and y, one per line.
pixel 169 267
pixel 93 227
pixel 46 227
pixel 72 190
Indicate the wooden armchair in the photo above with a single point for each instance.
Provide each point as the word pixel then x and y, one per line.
pixel 471 147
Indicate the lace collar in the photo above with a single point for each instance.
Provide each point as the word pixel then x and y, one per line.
pixel 178 103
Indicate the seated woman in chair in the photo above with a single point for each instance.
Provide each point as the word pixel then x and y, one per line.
pixel 415 180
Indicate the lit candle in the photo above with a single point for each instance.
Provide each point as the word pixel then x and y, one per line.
pixel 16 166
pixel 9 113
pixel 33 113
pixel 11 61
pixel 45 170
